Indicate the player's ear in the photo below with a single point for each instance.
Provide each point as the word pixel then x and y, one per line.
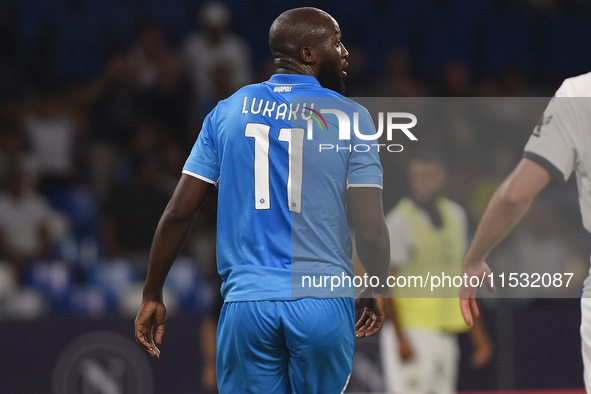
pixel 309 55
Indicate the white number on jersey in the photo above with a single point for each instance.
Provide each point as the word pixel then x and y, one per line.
pixel 295 150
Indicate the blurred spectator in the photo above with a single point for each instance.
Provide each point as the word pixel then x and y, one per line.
pixel 12 108
pixel 148 140
pixel 51 134
pixel 503 160
pixel 460 136
pixel 113 110
pixel 146 54
pixel 223 87
pixel 13 151
pixel 488 88
pixel 513 83
pixel 174 157
pixel 216 45
pixel 357 82
pixel 163 89
pixel 456 80
pixel 113 100
pixel 25 222
pixel 132 214
pixel 168 99
pixel 398 79
pixel 78 203
pixel 428 232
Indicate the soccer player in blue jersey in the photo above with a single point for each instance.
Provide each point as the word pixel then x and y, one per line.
pixel 282 204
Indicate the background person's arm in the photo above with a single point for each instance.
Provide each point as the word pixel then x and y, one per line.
pixel 506 208
pixel 169 239
pixel 405 348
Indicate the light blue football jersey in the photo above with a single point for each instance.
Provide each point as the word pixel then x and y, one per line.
pixel 282 169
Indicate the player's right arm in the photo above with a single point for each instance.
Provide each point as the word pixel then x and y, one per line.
pixel 169 239
pixel 506 208
pixel 373 249
pixel 549 153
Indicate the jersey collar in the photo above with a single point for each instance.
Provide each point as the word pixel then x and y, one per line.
pixel 293 79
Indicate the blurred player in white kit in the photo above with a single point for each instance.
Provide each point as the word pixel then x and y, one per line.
pixel 559 145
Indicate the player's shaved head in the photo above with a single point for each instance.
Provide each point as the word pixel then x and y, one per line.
pixel 307 41
pixel 298 28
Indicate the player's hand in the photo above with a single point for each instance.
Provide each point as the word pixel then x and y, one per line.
pixel 483 352
pixel 405 349
pixel 468 293
pixel 151 313
pixel 371 309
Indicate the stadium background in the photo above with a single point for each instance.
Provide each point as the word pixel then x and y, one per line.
pixel 101 100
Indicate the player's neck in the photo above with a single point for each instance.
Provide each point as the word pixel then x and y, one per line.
pixel 286 71
pixel 290 66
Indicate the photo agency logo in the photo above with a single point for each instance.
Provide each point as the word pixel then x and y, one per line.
pixel 323 112
pixel 394 121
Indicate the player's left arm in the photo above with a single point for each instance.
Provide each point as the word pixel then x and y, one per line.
pixel 506 208
pixel 169 239
pixel 364 196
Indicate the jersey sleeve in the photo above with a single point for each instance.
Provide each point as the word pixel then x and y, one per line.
pixel 551 144
pixel 203 161
pixel 365 169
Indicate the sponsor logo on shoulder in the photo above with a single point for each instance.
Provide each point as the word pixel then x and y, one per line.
pixel 544 120
pixel 282 89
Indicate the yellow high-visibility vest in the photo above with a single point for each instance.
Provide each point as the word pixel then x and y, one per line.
pixel 436 251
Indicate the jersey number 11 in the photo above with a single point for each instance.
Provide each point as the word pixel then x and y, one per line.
pixel 295 150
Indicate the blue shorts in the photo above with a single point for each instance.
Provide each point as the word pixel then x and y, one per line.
pixel 299 346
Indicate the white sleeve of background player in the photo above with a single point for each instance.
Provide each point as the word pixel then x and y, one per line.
pixel 553 141
pixel 400 239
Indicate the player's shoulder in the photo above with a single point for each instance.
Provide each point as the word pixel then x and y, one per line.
pixel 579 86
pixel 245 90
pixel 347 103
pixel 237 98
